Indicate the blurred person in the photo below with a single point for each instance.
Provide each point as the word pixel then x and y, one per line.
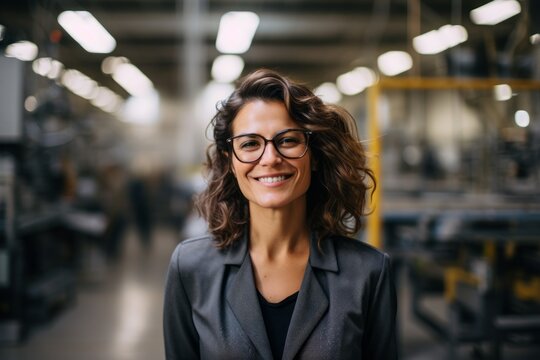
pixel 114 197
pixel 279 276
pixel 140 205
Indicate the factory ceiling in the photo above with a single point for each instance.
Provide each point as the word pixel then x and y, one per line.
pixel 312 40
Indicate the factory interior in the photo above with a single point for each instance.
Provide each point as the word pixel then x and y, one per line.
pixel 104 121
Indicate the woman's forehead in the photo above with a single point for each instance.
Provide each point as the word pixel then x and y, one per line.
pixel 262 117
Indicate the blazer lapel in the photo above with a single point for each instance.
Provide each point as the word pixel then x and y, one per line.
pixel 312 301
pixel 242 299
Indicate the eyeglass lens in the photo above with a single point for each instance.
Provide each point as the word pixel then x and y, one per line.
pixel 290 144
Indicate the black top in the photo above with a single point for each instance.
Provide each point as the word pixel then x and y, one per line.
pixel 277 317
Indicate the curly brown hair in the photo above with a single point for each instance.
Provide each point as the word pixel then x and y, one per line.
pixel 340 181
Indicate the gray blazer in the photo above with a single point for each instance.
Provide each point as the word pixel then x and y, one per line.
pixel 346 306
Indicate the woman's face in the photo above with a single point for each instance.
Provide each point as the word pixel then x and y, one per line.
pixel 273 181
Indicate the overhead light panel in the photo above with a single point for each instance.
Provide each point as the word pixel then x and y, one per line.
pixel 522 118
pixel 394 62
pixel 79 83
pixel 495 12
pixel 133 80
pixel 227 68
pixel 436 41
pixel 2 32
pixel 47 67
pixel 355 81
pixel 142 110
pixel 236 31
pixel 328 92
pixel 502 92
pixel 22 50
pixel 30 104
pixel 110 63
pixel 106 99
pixel 84 28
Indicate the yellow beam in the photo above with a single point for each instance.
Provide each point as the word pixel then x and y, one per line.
pixel 455 83
pixel 374 224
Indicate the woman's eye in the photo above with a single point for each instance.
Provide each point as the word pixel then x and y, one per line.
pixel 249 145
pixel 289 141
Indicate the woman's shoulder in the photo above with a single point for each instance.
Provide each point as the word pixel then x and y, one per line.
pixel 353 251
pixel 193 252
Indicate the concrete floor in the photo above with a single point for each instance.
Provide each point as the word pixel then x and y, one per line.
pixel 117 315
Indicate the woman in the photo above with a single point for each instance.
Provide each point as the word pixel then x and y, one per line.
pixel 278 278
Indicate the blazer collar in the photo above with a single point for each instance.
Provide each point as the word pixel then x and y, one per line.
pixel 243 301
pixel 311 305
pixel 325 257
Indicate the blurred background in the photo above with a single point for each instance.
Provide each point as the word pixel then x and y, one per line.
pixel 104 107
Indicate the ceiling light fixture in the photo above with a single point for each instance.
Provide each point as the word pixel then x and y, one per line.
pixel 133 80
pixel 394 62
pixel 236 31
pixel 2 32
pixel 22 50
pixel 227 68
pixel 109 64
pixel 84 28
pixel 502 92
pixel 522 118
pixel 495 12
pixel 47 67
pixel 356 80
pixel 436 41
pixel 328 92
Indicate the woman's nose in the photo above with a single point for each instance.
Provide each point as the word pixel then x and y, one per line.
pixel 270 155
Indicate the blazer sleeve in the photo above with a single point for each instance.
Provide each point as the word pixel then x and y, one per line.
pixel 380 338
pixel 180 336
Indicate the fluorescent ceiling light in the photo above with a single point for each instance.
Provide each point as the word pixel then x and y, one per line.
pixel 79 83
pixel 394 62
pixel 522 118
pixel 227 68
pixel 109 64
pixel 47 67
pixel 30 104
pixel 42 66
pixel 22 50
pixel 132 79
pixel 87 31
pixel 236 30
pixel 436 41
pixel 106 99
pixel 2 31
pixel 502 92
pixel 328 92
pixel 494 12
pixel 355 81
pixel 142 110
pixel 210 96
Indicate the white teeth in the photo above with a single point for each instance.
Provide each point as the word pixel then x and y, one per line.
pixel 272 179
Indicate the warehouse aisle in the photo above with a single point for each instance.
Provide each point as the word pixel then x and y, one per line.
pixel 117 317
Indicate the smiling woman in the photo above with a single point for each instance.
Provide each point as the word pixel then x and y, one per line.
pixel 278 277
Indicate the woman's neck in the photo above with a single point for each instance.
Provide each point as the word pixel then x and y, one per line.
pixel 275 232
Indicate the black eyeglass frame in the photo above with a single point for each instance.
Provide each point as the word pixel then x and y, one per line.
pixel 307 134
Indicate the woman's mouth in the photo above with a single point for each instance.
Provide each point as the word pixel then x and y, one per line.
pixel 273 179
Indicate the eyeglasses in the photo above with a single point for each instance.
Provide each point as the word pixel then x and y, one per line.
pixel 289 143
